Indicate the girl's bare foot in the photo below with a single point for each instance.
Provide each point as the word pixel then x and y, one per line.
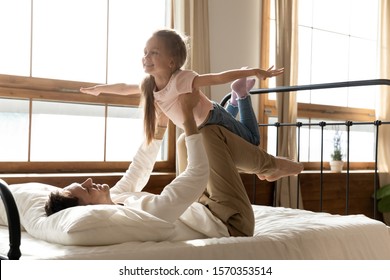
pixel 284 167
pixel 242 87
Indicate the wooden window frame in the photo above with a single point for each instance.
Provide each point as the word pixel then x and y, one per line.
pixel 267 107
pixel 68 91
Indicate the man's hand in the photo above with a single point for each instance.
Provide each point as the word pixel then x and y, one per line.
pixel 161 124
pixel 187 102
pixel 162 119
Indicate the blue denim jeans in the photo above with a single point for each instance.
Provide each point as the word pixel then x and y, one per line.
pixel 247 127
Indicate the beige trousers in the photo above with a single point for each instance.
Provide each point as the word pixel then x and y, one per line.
pixel 225 195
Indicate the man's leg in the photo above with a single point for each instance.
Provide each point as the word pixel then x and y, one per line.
pixel 226 195
pixel 252 159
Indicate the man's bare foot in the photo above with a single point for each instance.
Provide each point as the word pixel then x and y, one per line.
pixel 284 167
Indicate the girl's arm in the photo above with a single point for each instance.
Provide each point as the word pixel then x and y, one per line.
pixel 231 75
pixel 119 89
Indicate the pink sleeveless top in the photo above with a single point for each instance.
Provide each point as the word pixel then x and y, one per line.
pixel 167 98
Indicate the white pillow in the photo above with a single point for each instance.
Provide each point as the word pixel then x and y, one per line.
pixel 84 225
pixel 18 191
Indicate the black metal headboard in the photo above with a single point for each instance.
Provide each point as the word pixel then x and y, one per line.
pixel 13 222
pixel 347 123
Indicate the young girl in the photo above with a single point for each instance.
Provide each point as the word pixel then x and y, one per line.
pixel 164 55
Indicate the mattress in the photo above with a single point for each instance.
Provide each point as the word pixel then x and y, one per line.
pixel 280 234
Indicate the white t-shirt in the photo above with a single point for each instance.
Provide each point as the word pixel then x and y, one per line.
pixel 177 200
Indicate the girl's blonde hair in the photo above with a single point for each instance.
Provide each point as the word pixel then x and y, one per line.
pixel 176 45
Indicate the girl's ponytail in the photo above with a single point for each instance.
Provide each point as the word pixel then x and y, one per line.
pixel 147 87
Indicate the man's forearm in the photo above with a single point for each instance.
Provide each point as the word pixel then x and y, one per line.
pixel 188 102
pixel 160 132
pixel 190 127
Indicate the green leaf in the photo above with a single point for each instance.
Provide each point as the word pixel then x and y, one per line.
pixel 383 192
pixel 384 205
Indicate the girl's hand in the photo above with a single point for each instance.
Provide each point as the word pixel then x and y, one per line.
pixel 91 90
pixel 269 73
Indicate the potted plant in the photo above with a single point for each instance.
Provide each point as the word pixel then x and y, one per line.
pixel 383 197
pixel 336 163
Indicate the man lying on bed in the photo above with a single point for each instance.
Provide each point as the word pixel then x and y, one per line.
pixel 225 196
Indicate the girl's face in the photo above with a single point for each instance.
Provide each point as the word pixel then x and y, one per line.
pixel 157 59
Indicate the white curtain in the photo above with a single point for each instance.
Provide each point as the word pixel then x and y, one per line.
pixel 383 110
pixel 287 57
pixel 191 17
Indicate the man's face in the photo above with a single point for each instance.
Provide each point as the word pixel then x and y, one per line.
pixel 90 193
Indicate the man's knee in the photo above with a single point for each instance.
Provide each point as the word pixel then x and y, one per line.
pixel 212 131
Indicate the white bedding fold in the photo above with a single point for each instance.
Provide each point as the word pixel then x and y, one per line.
pixel 280 233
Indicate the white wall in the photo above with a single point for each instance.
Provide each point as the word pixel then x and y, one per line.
pixel 234 38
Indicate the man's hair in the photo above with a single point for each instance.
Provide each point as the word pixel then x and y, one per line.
pixel 59 200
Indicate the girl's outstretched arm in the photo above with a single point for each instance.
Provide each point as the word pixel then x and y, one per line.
pixel 119 89
pixel 231 75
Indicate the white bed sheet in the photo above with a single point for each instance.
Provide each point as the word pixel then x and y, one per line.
pixel 280 233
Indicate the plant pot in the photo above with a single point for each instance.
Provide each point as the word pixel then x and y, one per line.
pixel 336 166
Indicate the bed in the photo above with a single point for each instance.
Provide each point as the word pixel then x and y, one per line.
pixel 280 233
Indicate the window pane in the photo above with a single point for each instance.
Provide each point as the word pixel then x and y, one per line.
pixel 124 133
pixel 310 141
pixel 332 15
pixel 15 19
pixel 364 19
pixel 362 134
pixel 304 62
pixel 305 13
pixel 96 41
pixel 14 127
pixel 131 24
pixel 67 132
pixel 69 40
pixel 341 49
pixel 314 136
pixel 363 97
pixel 271 136
pixel 330 53
pixel 272 56
pixel 362 59
pixel 329 64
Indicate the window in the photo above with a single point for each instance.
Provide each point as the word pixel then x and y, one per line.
pixel 65 126
pixel 337 42
pixel 14 116
pixel 97 41
pixel 49 50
